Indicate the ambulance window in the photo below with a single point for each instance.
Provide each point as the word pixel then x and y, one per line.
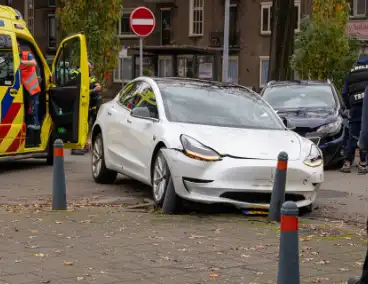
pixel 6 61
pixel 68 64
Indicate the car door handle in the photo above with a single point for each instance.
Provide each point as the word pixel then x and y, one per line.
pixel 109 113
pixel 129 121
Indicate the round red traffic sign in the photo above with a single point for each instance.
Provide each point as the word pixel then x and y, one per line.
pixel 142 21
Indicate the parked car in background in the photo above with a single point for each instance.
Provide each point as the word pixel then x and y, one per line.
pixel 202 141
pixel 315 109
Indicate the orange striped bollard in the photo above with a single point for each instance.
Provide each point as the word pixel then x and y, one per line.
pixel 58 179
pixel 278 189
pixel 288 268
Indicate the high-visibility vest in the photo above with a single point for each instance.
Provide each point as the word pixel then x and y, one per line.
pixel 29 76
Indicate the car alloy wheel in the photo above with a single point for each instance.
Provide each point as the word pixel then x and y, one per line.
pixel 101 174
pixel 97 157
pixel 161 176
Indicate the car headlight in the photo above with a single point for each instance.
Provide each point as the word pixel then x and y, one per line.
pixel 314 158
pixel 196 150
pixel 331 128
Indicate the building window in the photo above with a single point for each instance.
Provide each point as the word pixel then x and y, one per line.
pixel 124 29
pixel 124 70
pixel 185 66
pixel 29 15
pixel 358 8
pixel 264 63
pixel 165 66
pixel 196 15
pixel 205 67
pixel 263 70
pixel 52 3
pixel 234 69
pixel 266 12
pixel 52 31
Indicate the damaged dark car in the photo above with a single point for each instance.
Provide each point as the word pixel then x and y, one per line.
pixel 316 112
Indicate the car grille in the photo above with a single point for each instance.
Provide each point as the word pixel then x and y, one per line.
pixel 258 197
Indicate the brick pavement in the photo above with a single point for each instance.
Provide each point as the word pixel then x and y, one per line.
pixel 111 245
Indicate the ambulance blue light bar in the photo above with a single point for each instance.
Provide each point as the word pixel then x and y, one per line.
pixel 2 24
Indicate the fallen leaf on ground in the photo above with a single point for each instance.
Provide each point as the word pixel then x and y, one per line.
pixel 343 269
pixel 196 237
pixel 214 275
pixel 68 263
pixel 320 279
pixel 245 255
pixel 39 254
pixel 80 278
pixel 18 260
pixel 323 262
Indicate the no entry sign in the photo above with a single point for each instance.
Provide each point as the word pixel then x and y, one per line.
pixel 142 21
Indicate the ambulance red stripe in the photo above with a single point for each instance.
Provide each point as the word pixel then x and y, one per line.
pixel 16 143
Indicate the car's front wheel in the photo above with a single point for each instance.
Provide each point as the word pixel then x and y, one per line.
pixel 101 174
pixel 163 190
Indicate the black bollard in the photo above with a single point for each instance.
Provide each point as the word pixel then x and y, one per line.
pixel 288 269
pixel 278 189
pixel 58 182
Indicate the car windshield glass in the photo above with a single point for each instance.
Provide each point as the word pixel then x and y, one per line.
pixel 209 104
pixel 291 97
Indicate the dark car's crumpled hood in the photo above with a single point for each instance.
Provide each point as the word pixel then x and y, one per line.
pixel 310 118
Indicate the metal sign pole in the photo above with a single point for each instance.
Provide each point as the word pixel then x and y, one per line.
pixel 225 57
pixel 141 56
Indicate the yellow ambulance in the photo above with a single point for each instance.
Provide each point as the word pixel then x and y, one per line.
pixel 64 99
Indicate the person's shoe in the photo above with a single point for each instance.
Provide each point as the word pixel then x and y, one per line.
pixel 77 152
pixel 345 168
pixel 34 127
pixel 362 169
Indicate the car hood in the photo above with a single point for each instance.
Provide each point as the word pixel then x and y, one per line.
pixel 309 118
pixel 242 143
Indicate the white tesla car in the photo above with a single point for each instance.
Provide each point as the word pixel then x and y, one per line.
pixel 201 141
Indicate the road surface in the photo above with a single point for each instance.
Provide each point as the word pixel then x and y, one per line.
pixel 343 196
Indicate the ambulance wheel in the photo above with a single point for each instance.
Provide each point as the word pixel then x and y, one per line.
pixel 50 152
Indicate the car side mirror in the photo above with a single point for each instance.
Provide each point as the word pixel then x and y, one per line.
pixel 289 124
pixel 142 112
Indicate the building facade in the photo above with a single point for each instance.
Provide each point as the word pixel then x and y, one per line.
pixel 188 37
pixel 188 40
pixel 40 18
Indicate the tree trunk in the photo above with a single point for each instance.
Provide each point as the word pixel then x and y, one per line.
pixel 283 19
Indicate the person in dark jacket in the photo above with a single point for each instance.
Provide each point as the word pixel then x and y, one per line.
pixel 355 84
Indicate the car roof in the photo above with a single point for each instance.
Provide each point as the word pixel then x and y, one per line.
pixel 193 82
pixel 297 83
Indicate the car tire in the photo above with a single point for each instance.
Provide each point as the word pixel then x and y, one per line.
pixel 101 174
pixel 163 190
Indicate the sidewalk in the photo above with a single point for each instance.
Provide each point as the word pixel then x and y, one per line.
pixel 109 245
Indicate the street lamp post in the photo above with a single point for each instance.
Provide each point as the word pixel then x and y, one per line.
pixel 225 56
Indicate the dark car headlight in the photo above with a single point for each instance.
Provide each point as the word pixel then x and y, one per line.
pixel 331 128
pixel 196 150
